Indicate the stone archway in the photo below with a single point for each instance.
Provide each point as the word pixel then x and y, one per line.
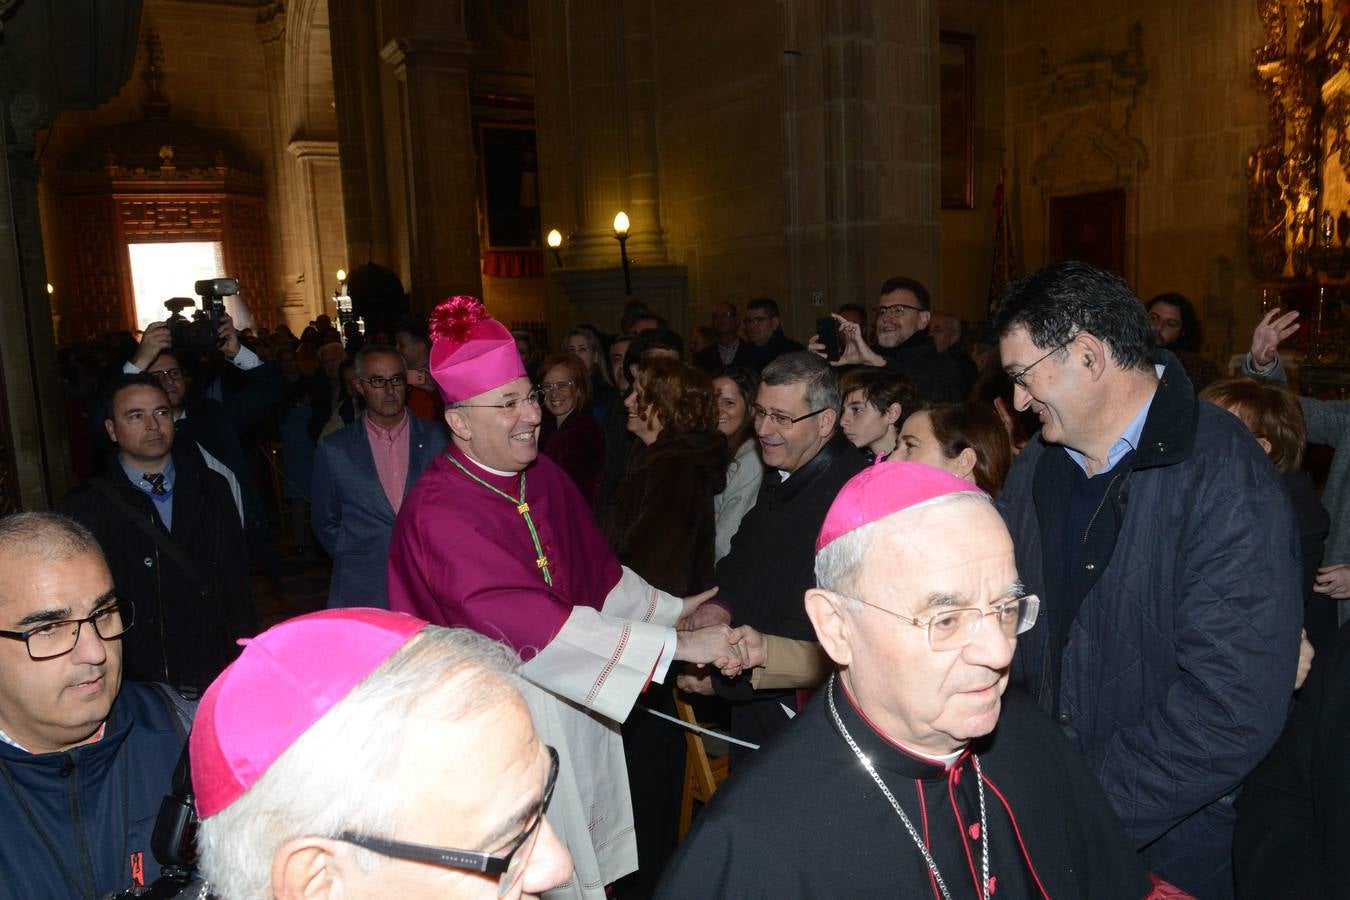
pixel 307 200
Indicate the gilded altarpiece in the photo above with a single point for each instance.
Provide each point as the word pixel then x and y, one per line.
pixel 1298 203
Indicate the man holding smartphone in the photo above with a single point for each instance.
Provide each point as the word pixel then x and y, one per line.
pixel 903 343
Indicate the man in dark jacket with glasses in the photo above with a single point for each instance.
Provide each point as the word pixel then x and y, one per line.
pixel 1164 549
pixel 85 758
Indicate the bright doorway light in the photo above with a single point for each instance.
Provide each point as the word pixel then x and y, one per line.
pixel 163 270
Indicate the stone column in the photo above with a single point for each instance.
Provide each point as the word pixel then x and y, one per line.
pixel 595 99
pixel 440 165
pixel 361 138
pixel 299 290
pixel 35 468
pixel 319 214
pixel 860 132
pixel 595 109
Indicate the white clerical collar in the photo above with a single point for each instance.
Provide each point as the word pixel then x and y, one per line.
pixel 490 469
pixel 946 761
pixel 784 475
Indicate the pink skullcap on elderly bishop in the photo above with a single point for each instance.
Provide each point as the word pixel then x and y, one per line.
pixel 286 679
pixel 471 352
pixel 878 491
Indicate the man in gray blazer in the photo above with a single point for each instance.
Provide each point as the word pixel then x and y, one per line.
pixel 363 472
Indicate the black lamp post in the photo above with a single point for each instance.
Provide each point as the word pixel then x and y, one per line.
pixel 621 235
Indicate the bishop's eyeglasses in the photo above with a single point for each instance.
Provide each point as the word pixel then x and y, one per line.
pixel 508 867
pixel 952 629
pixel 511 406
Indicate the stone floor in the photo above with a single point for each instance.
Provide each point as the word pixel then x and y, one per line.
pixel 303 587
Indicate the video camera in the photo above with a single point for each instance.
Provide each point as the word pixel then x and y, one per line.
pixel 200 331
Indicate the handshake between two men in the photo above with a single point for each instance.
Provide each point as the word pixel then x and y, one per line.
pixel 707 641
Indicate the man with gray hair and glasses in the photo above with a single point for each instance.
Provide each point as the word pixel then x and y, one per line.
pixel 363 472
pixel 85 758
pixel 763 577
pixel 366 754
pixel 910 773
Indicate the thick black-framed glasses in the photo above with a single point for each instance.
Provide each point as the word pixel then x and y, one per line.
pixel 897 309
pixel 379 382
pixel 52 639
pixel 782 420
pixel 1019 378
pixel 508 867
pixel 530 399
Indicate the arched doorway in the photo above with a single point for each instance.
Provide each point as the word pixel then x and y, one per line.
pixel 158 204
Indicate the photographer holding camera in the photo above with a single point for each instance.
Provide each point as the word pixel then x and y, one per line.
pixel 217 425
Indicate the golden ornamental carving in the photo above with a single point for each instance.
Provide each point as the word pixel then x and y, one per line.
pixel 1298 199
pixel 1302 68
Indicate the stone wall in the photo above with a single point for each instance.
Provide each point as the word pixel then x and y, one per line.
pixel 720 129
pixel 967 234
pixel 1079 118
pixel 792 144
pixel 264 80
pixel 213 76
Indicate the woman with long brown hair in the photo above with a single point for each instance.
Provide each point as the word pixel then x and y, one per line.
pixel 661 525
pixel 735 388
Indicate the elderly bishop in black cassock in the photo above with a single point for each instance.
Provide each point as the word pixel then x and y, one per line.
pixel 911 773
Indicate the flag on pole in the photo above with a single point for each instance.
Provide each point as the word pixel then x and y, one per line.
pixel 1005 261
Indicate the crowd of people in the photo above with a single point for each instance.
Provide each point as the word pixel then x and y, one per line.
pixel 1043 606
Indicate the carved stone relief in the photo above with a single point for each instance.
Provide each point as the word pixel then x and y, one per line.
pixel 1084 140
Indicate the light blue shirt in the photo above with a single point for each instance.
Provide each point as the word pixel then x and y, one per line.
pixel 1128 440
pixel 164 504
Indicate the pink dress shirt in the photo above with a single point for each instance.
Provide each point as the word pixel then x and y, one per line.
pixel 389 446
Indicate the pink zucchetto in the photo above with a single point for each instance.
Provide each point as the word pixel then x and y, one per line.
pixel 286 679
pixel 471 352
pixel 881 490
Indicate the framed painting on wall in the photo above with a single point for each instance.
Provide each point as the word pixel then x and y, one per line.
pixel 956 119
pixel 1091 228
pixel 510 185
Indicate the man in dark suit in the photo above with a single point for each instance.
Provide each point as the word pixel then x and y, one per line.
pixel 172 533
pixel 729 350
pixel 218 415
pixel 764 329
pixel 363 472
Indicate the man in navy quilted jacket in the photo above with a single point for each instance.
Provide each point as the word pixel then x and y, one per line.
pixel 1164 548
pixel 85 758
